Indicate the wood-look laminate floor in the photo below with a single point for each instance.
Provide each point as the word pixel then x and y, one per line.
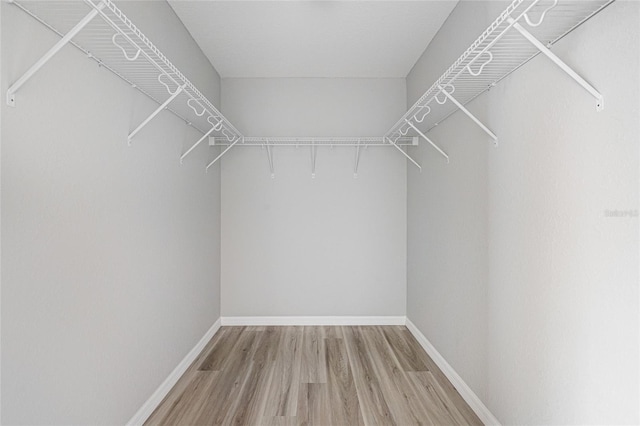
pixel 376 375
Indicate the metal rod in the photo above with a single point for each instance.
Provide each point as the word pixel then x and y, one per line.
pixel 404 153
pixel 223 153
pixel 471 116
pixel 11 100
pixel 428 140
pixel 307 141
pixel 197 143
pixel 549 54
pixel 299 145
pixel 156 112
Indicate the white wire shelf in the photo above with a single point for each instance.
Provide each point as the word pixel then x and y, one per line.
pixel 501 49
pixel 117 44
pixel 522 31
pixel 315 141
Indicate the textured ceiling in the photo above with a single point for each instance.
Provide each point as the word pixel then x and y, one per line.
pixel 355 39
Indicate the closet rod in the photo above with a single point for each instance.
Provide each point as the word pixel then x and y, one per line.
pixel 376 141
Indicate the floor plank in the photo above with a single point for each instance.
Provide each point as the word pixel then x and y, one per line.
pixel 341 388
pixel 405 352
pixel 319 410
pixel 406 338
pixel 253 399
pixel 224 395
pixel 186 407
pixel 283 392
pixel 439 406
pixel 403 399
pixel 313 368
pixel 220 352
pixel 375 409
pixel 373 375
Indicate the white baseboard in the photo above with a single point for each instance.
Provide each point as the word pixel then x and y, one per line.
pixel 156 398
pixel 465 391
pixel 355 320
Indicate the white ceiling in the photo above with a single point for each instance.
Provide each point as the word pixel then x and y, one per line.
pixel 356 39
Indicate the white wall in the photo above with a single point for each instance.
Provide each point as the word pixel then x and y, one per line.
pixel 563 294
pixel 297 246
pixel 448 215
pixel 1 8
pixel 110 253
pixel 555 291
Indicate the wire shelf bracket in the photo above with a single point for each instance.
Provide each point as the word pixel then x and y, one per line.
pixel 269 157
pixel 566 68
pixel 238 139
pixel 461 107
pixel 418 131
pixel 356 161
pixel 314 155
pixel 11 92
pixel 405 154
pixel 154 113
pixel 214 127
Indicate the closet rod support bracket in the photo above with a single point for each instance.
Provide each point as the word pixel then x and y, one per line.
pixel 270 158
pixel 314 155
pixel 211 130
pixel 468 113
pixel 156 112
pixel 11 92
pixel 444 154
pixel 238 139
pixel 560 63
pixel 357 161
pixel 404 153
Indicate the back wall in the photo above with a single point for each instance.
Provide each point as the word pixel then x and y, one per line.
pixel 333 245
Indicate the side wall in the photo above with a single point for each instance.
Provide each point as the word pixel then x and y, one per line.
pixel 110 253
pixel 332 245
pixel 447 266
pixel 518 273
